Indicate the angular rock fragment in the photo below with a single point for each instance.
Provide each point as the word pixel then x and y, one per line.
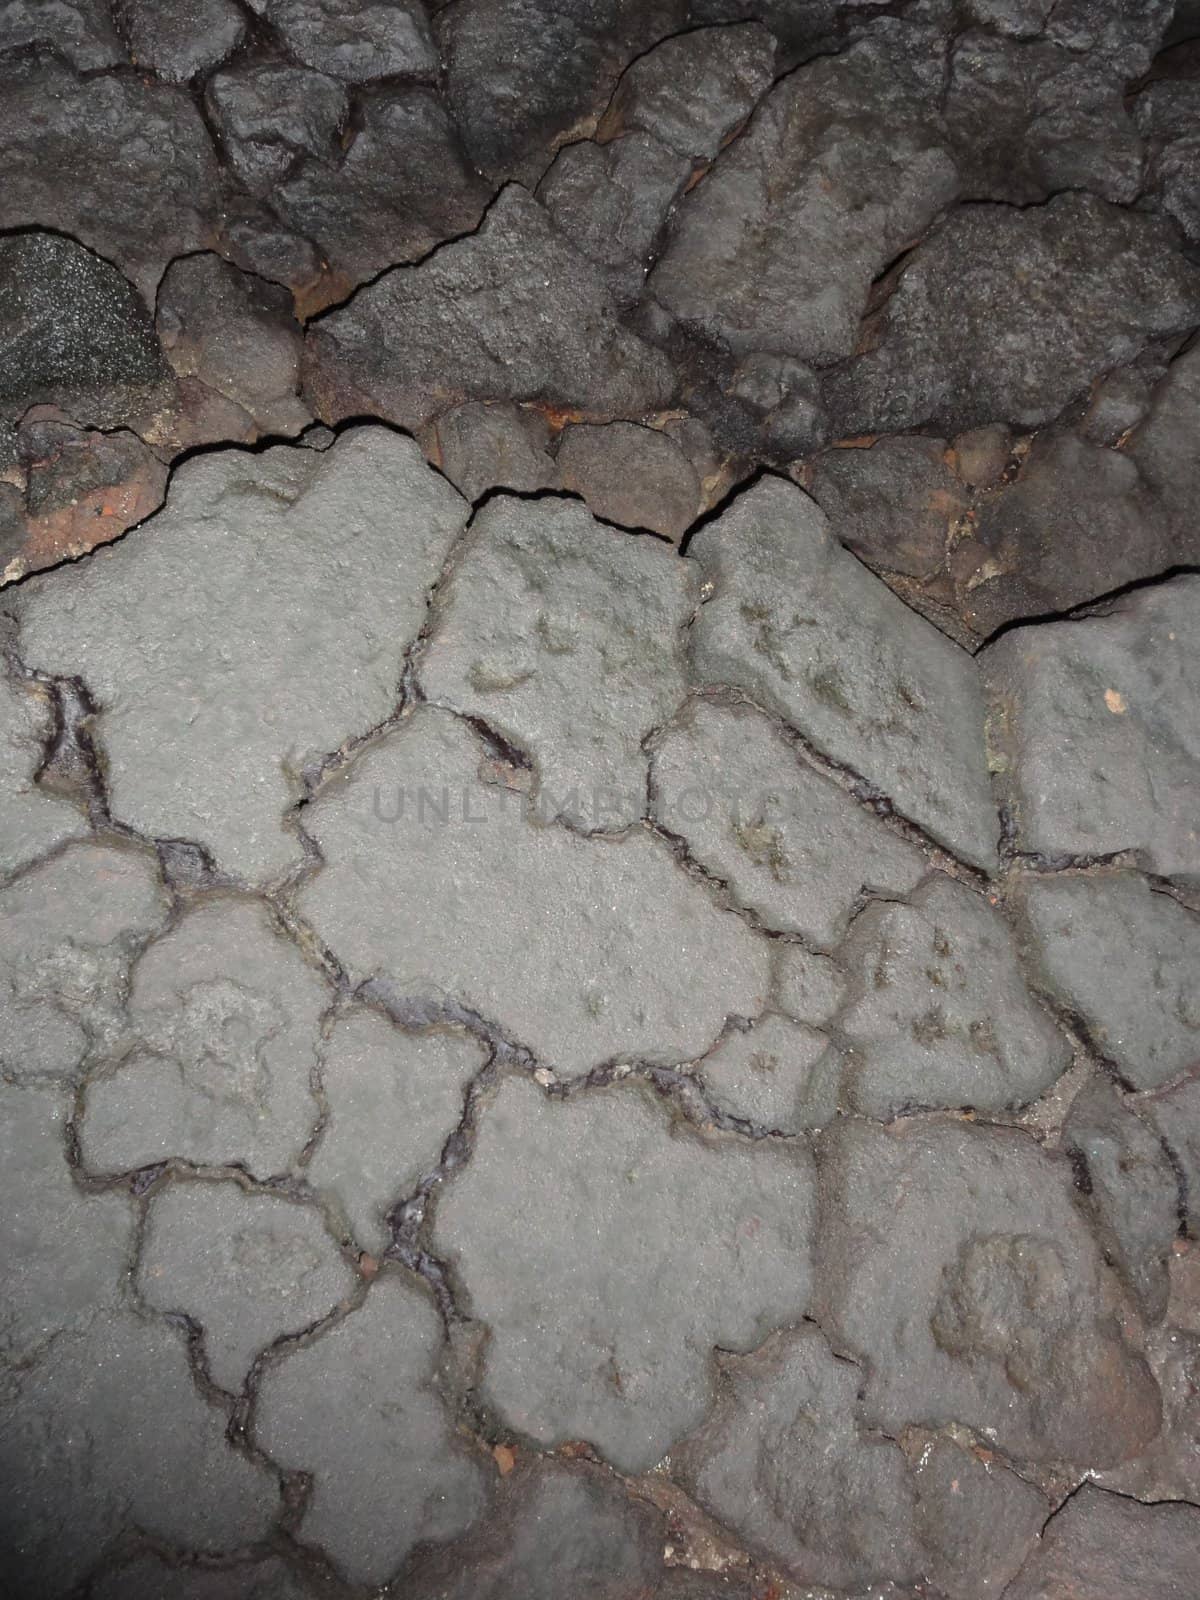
pixel 108 1435
pixel 938 1013
pixel 792 846
pixel 355 39
pixel 842 165
pixel 481 447
pixel 1111 1548
pixel 256 623
pixel 597 1331
pixel 693 91
pixel 1131 1189
pixel 895 505
pixel 180 39
pixel 583 950
pixel 225 1015
pixel 634 476
pixel 392 1099
pixel 785 1461
pixel 270 114
pixel 1096 731
pixel 65 1253
pixel 565 637
pixel 73 926
pixel 358 1410
pixel 985 326
pixel 796 623
pixel 409 345
pixel 122 164
pixel 953 1263
pixel 780 1074
pixel 74 334
pixel 149 1577
pixel 231 339
pixel 807 987
pixel 32 819
pixel 1123 960
pixel 248 1268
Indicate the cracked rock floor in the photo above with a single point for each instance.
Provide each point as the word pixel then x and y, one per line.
pixel 600 814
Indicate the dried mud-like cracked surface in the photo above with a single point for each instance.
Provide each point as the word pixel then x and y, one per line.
pixel 600 823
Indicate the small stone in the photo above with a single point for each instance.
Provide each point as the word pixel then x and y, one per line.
pixel 180 39
pixel 226 1013
pixel 597 1332
pixel 1081 780
pixel 565 637
pixel 357 1409
pixel 798 624
pixel 357 40
pixel 810 988
pixel 271 114
pixel 938 1012
pixel 634 476
pixel 1122 959
pixel 793 847
pixel 1109 1547
pixel 779 1074
pixel 248 1268
pixel 982 454
pixel 393 1100
pixel 34 820
pixel 895 505
pixel 481 447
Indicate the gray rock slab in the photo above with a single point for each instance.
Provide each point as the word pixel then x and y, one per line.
pixel 842 164
pixel 795 622
pixel 565 637
pixel 1113 1548
pixel 410 345
pixel 597 1329
pixel 355 39
pixel 392 1099
pixel 108 1435
pixel 582 950
pixel 256 623
pixel 806 986
pixel 357 1409
pixel 984 326
pixel 1176 1114
pixel 248 1268
pixel 1096 731
pixel 180 39
pixel 1131 1189
pixel 65 1253
pixel 954 1264
pixel 1123 959
pixel 634 476
pixel 779 1074
pixel 792 846
pixel 73 927
pixel 481 447
pixel 225 1015
pixel 32 819
pixel 938 1014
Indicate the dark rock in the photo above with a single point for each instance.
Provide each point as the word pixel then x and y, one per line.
pixel 896 504
pixel 401 187
pixel 783 397
pixel 179 39
pixel 73 333
pixel 981 455
pixel 81 31
pixel 149 1577
pixel 123 165
pixel 1164 447
pixel 984 324
pixel 410 345
pixel 254 239
pixel 269 114
pixel 1108 1547
pixel 634 476
pixel 1132 1192
pixel 355 39
pixel 481 447
pixel 842 165
pixel 1168 115
pixel 695 90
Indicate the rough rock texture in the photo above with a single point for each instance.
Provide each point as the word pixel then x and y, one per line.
pixel 81 31
pixel 520 276
pixel 776 250
pixel 797 624
pixel 1111 1548
pixel 392 1101
pixel 894 504
pixel 952 1262
pixel 808 987
pixel 1176 1114
pixel 607 1341
pixel 983 326
pixel 1122 959
pixel 780 1074
pixel 481 447
pixel 225 1015
pixel 355 39
pixel 271 114
pixel 32 819
pixel 149 1578
pixel 180 39
pixel 938 1013
pixel 637 477
pixel 1096 728
pixel 267 1269
pixel 610 930
pixel 357 1409
pixel 564 637
pixel 172 628
pixel 792 846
